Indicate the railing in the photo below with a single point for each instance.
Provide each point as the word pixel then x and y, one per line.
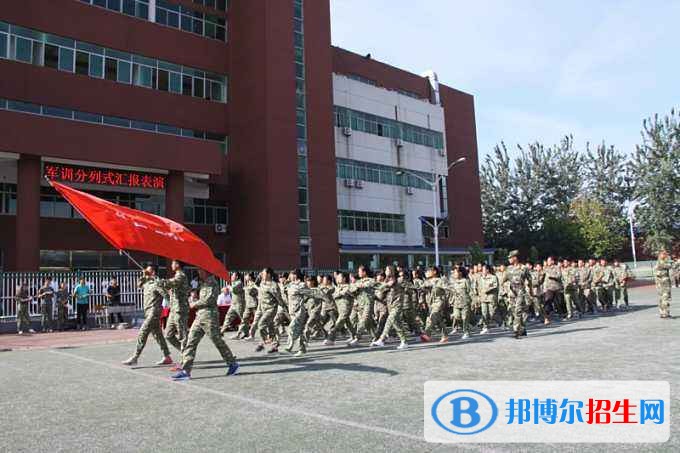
pixel 96 280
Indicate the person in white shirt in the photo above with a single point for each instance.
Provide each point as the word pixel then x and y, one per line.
pixel 224 297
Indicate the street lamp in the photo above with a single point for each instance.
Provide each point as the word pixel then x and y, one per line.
pixel 631 218
pixel 434 184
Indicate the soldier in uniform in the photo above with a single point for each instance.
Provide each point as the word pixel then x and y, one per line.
pixel 250 294
pixel 604 279
pixel 621 278
pixel 176 328
pixel 282 318
pixel 585 282
pixel 552 287
pixel 570 282
pixel 46 296
pixel 517 277
pixel 344 301
pixel 662 278
pixel 437 287
pixel 62 306
pixel 488 290
pixel 329 311
pixel 504 312
pixel 238 304
pixel 410 302
pixel 206 321
pixel 393 296
pixel 461 299
pixel 363 290
pixel 269 299
pixel 153 299
pixel 676 271
pixel 22 300
pixel 536 292
pixel 379 306
pixel 298 293
pixel 421 308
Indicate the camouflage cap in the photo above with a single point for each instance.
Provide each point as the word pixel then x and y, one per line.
pixel 513 253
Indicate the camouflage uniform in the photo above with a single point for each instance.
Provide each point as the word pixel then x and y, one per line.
pixel 269 299
pixel 536 292
pixel 379 311
pixel 62 308
pixel 250 294
pixel 552 288
pixel 238 305
pixel 505 312
pixel 46 294
pixel 676 272
pixel 297 294
pixel 461 301
pixel 363 291
pixel 176 329
pixel 153 300
pixel 438 306
pixel 344 301
pixel 422 309
pixel 603 281
pixel 517 277
pixel 570 280
pixel 393 296
pixel 329 311
pixel 408 310
pixel 23 320
pixel 282 318
pixel 585 282
pixel 621 277
pixel 662 278
pixel 207 321
pixel 314 306
pixel 488 293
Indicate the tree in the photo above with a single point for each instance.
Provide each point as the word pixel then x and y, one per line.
pixel 476 253
pixel 593 220
pixel 656 166
pixel 606 177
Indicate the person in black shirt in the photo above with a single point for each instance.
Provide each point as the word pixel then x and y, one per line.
pixel 113 297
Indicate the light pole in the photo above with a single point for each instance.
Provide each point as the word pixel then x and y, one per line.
pixel 631 218
pixel 434 184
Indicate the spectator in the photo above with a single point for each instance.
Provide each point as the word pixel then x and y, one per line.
pixel 113 299
pixel 193 296
pixel 46 296
pixel 82 295
pixel 194 282
pixel 224 298
pixel 62 306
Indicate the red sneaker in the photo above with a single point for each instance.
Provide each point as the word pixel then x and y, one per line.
pixel 166 361
pixel 425 338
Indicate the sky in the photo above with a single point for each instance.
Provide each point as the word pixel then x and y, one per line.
pixel 538 69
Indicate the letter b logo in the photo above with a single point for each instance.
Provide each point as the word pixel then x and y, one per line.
pixel 464 412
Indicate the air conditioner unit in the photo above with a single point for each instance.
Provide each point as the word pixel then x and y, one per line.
pixel 347 131
pixel 358 183
pixel 442 152
pixel 348 183
pixel 220 228
pixel 409 191
pixel 399 142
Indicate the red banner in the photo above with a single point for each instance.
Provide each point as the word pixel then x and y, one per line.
pixel 130 229
pixel 103 176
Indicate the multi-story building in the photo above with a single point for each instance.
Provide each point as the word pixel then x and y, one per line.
pixel 237 118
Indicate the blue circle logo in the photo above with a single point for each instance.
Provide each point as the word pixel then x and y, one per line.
pixel 464 412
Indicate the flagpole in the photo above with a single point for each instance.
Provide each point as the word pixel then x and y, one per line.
pixel 123 252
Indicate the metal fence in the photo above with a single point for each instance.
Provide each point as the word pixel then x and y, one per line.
pixel 97 281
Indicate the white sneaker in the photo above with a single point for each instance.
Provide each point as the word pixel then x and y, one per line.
pixel 21 332
pixel 130 362
pixel 484 330
pixel 299 354
pixel 353 342
pixel 403 345
pixel 248 338
pixel 31 331
pixel 466 336
pixel 234 337
pixel 378 343
pixel 454 331
pixel 349 341
pixel 328 343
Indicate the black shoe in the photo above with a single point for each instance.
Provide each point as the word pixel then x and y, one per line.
pixel 260 347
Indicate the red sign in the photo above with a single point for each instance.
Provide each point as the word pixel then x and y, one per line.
pixel 103 176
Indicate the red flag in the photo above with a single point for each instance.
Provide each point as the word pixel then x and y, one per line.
pixel 130 229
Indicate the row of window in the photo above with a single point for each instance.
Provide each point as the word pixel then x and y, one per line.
pixel 374 222
pixel 385 127
pixel 301 125
pixel 381 174
pixel 172 15
pixel 186 19
pixel 95 118
pixel 65 54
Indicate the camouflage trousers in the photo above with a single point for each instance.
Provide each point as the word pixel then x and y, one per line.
pixel 664 299
pixel 281 320
pixel 411 320
pixel 570 296
pixel 394 321
pixel 519 311
pixel 621 295
pixel 314 322
pixel 536 304
pixel 329 316
pixel 246 322
pixel 62 315
pixel 488 313
pixel 436 320
pixel 461 317
pixel 344 312
pixel 364 320
pixel 603 295
pixel 265 324
pixel 176 329
pixel 380 313
pixel 151 326
pixel 46 315
pixel 587 297
pixel 23 320
pixel 235 313
pixel 206 322
pixel 296 331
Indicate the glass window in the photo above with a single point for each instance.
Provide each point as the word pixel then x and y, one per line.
pixel 55 111
pixel 143 76
pixel 173 19
pixel 165 129
pixel 96 66
pixel 89 117
pixel 26 107
pixel 3 45
pixel 163 80
pixel 199 84
pixel 23 49
pixel 216 91
pixel 129 7
pixel 161 16
pixel 82 63
pixel 221 33
pixel 142 11
pixel 115 121
pixel 143 125
pixel 187 86
pixel 101 3
pixel 51 57
pixel 66 59
pixel 111 69
pixel 175 83
pixel 124 69
pixel 187 23
pixel 222 5
pixel 198 27
pixel 113 5
pixel 210 30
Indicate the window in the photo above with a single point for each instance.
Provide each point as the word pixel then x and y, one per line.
pixel 58 112
pixel 163 80
pixel 175 83
pixel 111 69
pixel 25 107
pixel 187 85
pixel 198 87
pixel 373 222
pixel 96 66
pixel 124 69
pixel 3 45
pixel 82 63
pixel 66 59
pixel 51 57
pixel 23 49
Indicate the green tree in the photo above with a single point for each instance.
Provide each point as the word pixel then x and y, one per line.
pixel 593 220
pixel 656 166
pixel 476 254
